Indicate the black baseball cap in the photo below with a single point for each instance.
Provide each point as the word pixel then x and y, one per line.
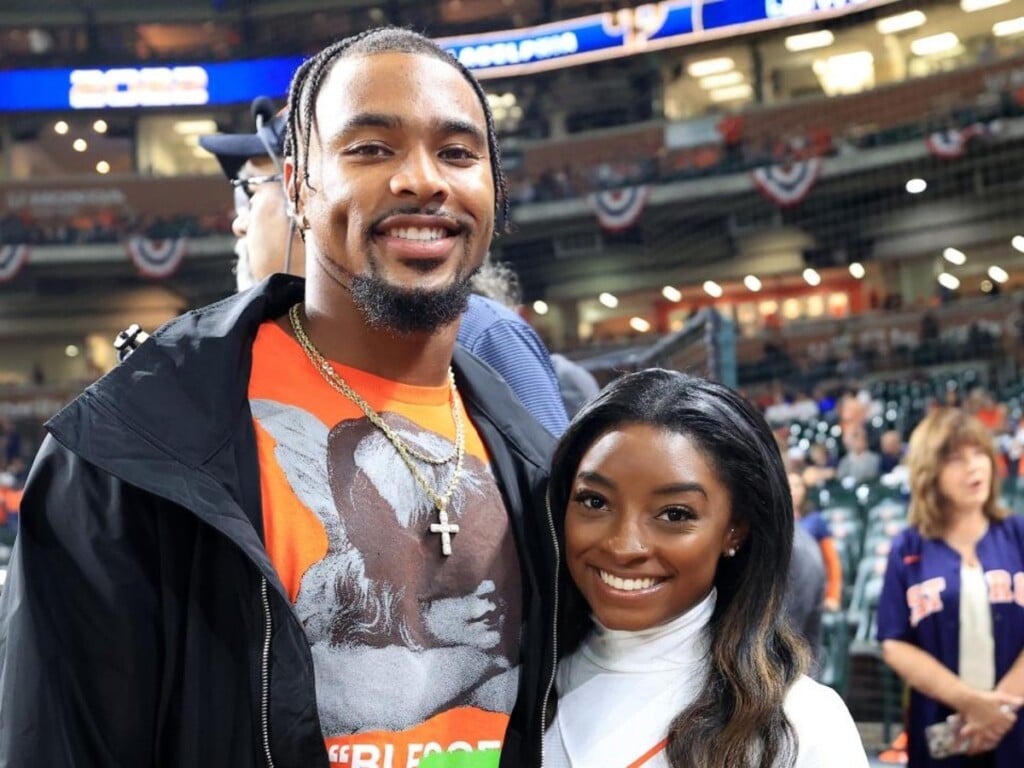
pixel 234 149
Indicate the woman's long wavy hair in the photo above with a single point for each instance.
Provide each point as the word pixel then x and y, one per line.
pixel 737 719
pixel 939 434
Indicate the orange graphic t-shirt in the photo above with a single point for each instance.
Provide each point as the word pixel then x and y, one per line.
pixel 415 654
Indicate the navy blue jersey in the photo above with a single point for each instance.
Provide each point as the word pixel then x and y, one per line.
pixel 816 525
pixel 920 604
pixel 508 344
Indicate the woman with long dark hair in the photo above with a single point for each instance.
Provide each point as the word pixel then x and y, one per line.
pixel 677 529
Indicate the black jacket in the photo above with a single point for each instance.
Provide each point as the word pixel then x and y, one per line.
pixel 142 622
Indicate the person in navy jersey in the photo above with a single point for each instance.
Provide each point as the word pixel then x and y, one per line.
pixel 951 611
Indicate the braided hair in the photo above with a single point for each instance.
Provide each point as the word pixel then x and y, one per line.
pixel 309 77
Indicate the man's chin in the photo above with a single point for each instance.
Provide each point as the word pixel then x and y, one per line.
pixel 404 310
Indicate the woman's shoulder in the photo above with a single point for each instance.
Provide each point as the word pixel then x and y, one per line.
pixel 825 731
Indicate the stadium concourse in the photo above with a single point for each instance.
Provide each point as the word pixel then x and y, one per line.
pixel 818 204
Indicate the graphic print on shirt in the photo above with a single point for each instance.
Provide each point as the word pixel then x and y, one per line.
pixel 410 648
pixel 925 598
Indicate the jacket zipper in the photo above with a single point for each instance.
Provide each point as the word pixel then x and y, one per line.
pixel 554 631
pixel 265 674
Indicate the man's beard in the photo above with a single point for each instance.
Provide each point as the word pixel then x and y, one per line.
pixel 404 310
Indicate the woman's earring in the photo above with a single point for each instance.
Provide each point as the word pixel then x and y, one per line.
pixel 731 552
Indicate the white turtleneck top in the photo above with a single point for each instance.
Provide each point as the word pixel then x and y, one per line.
pixel 618 693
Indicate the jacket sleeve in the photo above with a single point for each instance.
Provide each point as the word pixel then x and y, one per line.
pixel 79 629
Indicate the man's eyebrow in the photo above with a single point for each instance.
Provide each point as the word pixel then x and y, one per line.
pixel 446 127
pixel 454 125
pixel 368 120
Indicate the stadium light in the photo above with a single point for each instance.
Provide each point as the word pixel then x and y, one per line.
pixel 998 274
pixel 901 22
pixel 752 282
pixel 857 270
pixel 671 293
pixel 713 289
pixel 809 41
pixel 1008 27
pixel 721 81
pixel 851 72
pixel 933 44
pixel 954 256
pixel 916 186
pixel 706 67
pixel 540 307
pixel 969 6
pixel 812 277
pixel 949 281
pixel 608 300
pixel 185 127
pixel 732 93
pixel 639 325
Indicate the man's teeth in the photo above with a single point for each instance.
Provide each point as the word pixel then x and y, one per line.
pixel 627 585
pixel 418 233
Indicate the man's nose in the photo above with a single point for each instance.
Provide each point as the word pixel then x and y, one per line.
pixel 240 224
pixel 420 176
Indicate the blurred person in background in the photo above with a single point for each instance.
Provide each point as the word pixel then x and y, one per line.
pixel 494 331
pixel 814 523
pixel 890 451
pixel 674 647
pixel 575 382
pixel 268 242
pixel 859 463
pixel 819 467
pixel 950 615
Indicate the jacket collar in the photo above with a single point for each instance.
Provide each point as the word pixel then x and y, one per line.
pixel 182 389
pixel 185 388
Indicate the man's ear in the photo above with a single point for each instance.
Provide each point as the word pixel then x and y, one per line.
pixel 291 179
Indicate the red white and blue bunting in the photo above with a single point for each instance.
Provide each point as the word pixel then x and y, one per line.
pixel 619 209
pixel 156 258
pixel 787 184
pixel 12 259
pixel 952 142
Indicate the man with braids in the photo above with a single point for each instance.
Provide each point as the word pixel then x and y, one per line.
pixel 300 527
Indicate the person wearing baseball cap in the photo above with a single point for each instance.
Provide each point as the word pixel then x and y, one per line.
pixel 268 240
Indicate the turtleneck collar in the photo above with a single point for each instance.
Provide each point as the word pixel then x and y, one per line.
pixel 680 642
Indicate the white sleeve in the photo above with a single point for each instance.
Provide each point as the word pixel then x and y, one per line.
pixel 828 737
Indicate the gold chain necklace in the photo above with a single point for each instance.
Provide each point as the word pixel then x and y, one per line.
pixel 405 451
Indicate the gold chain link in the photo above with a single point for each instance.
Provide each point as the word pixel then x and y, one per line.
pixel 404 450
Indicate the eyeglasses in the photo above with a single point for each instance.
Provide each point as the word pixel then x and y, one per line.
pixel 245 188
